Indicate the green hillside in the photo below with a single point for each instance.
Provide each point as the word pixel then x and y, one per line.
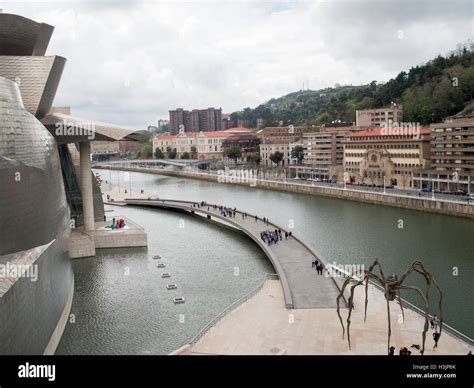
pixel 428 93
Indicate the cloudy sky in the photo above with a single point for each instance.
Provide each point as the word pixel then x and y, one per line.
pixel 130 62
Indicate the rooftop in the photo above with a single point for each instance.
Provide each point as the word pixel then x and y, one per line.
pixel 409 132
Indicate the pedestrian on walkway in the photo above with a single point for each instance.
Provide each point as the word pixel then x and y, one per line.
pixel 436 336
pixel 286 235
pixel 320 269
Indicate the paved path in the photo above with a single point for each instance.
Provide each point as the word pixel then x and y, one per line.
pixel 262 326
pixel 302 287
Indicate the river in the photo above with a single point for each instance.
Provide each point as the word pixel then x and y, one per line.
pixel 121 305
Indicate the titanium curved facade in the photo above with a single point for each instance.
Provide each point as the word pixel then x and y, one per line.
pixel 34 228
pixel 34 213
pixel 32 194
pixel 23 36
pixel 37 77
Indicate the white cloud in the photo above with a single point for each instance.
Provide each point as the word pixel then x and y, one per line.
pixel 130 63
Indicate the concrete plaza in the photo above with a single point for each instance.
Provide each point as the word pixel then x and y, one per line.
pixel 263 326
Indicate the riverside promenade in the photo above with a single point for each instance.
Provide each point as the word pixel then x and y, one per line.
pixel 291 258
pixel 390 198
pixel 262 326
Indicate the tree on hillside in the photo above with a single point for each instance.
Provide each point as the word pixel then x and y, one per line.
pixel 276 157
pixel 439 88
pixel 298 153
pixel 233 153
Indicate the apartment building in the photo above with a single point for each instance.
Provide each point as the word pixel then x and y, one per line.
pixel 370 118
pixel 451 156
pixel 272 146
pixel 204 120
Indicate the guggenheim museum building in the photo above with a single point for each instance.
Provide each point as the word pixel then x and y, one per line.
pixel 46 187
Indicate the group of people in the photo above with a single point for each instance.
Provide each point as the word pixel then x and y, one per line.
pixel 117 223
pixel 435 324
pixel 318 266
pixel 200 204
pixel 273 236
pixel 227 211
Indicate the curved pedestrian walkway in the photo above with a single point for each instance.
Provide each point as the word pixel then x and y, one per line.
pixel 302 287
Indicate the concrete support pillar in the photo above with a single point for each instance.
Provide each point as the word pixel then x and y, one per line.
pixel 86 186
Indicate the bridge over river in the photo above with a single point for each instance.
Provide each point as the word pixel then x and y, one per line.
pixel 302 287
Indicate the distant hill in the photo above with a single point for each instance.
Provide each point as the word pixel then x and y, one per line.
pixel 428 93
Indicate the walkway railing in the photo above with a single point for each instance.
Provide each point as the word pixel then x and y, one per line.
pixel 231 307
pixel 337 187
pixel 451 330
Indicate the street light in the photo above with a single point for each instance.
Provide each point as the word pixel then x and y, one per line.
pixel 432 189
pixel 384 190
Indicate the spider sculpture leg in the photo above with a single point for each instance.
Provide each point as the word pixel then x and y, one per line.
pixel 341 294
pixel 419 267
pixel 400 303
pixel 381 280
pixel 425 301
pixel 387 299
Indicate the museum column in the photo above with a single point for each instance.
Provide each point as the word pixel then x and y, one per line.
pixel 86 186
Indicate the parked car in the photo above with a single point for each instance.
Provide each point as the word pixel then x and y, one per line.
pixel 425 190
pixel 471 196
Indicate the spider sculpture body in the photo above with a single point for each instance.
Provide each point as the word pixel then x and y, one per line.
pixel 392 285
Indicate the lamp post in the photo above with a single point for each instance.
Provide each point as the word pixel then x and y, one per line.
pixel 432 189
pixel 384 190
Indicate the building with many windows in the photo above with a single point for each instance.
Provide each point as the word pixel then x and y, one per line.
pixel 376 117
pixel 323 155
pixel 374 157
pixel 451 156
pixel 198 145
pixel 246 142
pixel 270 147
pixel 283 134
pixel 204 120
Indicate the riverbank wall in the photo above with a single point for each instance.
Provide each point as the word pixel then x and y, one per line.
pixel 426 204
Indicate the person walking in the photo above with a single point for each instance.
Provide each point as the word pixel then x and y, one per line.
pixel 320 269
pixel 286 235
pixel 436 336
